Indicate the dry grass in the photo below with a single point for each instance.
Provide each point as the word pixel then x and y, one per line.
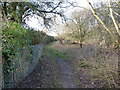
pixel 101 63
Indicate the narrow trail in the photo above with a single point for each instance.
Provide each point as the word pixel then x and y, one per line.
pixel 50 73
pixel 67 74
pixel 54 71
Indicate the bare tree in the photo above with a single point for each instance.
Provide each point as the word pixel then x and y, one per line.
pixel 76 28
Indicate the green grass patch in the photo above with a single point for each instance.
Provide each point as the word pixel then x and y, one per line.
pixel 85 65
pixel 53 52
pixel 58 84
pixel 76 80
pixel 40 59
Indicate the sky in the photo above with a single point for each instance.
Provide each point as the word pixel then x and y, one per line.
pixel 38 23
pixel 34 22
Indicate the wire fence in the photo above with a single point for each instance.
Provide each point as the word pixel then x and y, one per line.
pixel 23 65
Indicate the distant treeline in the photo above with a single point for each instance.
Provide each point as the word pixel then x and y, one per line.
pixel 40 37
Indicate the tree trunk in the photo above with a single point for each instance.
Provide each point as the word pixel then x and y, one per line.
pixel 5 9
pixel 21 10
pixel 81 45
pixel 13 4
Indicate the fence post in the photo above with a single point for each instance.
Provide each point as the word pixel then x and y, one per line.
pixel 119 61
pixel 1 64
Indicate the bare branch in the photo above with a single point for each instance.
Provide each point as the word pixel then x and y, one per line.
pixel 56 6
pixel 78 6
pixel 100 20
pixel 113 19
pixel 116 13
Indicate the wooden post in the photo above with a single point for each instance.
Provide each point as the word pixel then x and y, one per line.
pixel 1 64
pixel 119 61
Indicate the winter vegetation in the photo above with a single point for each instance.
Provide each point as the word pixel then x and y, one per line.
pixel 83 54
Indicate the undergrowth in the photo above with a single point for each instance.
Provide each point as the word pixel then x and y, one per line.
pixel 99 63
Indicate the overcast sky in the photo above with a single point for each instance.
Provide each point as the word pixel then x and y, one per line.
pixel 38 23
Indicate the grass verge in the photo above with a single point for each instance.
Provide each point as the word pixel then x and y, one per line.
pixel 49 51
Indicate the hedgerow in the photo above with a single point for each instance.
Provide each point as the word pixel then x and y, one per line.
pixel 15 37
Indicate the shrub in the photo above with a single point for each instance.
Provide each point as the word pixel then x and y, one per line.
pixel 13 38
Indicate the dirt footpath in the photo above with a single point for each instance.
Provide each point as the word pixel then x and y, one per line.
pixel 79 70
pixel 51 72
pixel 67 75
